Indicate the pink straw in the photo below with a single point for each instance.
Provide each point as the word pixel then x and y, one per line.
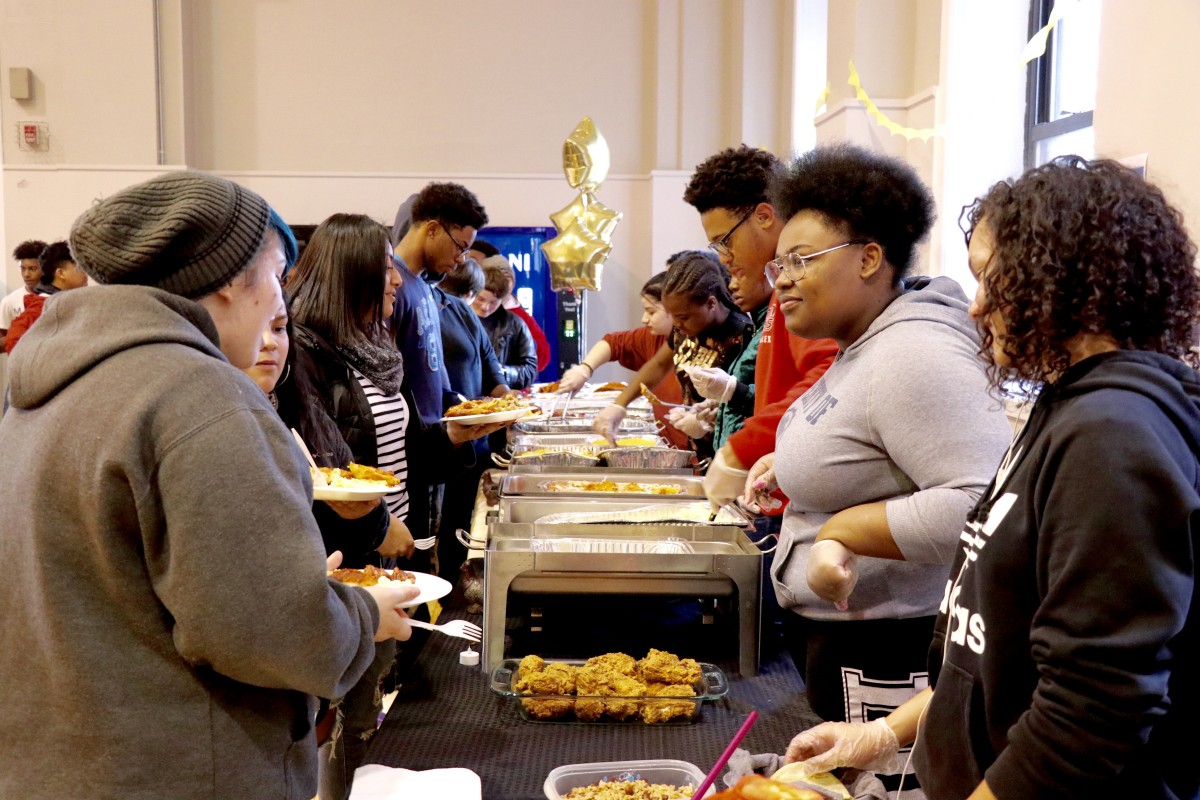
pixel 724 759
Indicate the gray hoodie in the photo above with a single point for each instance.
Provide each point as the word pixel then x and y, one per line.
pixel 904 416
pixel 166 610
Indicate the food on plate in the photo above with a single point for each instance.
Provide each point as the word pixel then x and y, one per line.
pixel 370 575
pixel 548 388
pixel 488 405
pixel 613 685
pixel 612 486
pixel 354 476
pixel 636 789
pixel 756 787
pixel 611 386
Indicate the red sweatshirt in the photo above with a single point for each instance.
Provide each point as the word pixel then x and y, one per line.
pixel 539 336
pixel 786 366
pixel 632 349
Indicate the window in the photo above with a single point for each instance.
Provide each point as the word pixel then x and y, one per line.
pixel 1061 92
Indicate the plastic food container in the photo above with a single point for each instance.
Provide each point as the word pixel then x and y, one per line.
pixel 562 780
pixel 662 710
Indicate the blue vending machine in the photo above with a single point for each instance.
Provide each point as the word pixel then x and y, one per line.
pixel 559 313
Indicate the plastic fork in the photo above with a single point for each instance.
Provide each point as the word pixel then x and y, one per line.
pixel 455 627
pixel 426 543
pixel 653 398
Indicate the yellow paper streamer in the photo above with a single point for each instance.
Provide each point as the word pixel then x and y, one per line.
pixel 823 98
pixel 1036 46
pixel 873 110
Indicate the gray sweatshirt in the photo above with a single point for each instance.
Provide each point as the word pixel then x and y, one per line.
pixel 904 416
pixel 166 611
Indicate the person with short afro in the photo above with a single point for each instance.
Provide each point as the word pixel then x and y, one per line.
pixel 730 190
pixel 884 456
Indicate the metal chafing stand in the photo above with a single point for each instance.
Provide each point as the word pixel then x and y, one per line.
pixel 646 559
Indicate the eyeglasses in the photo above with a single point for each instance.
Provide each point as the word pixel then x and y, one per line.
pixel 796 266
pixel 721 246
pixel 462 248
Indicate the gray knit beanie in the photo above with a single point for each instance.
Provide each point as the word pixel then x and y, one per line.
pixel 189 233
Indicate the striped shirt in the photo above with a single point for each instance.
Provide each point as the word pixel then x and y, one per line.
pixel 390 414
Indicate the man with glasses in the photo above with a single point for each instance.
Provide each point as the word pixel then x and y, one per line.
pixel 445 219
pixel 730 192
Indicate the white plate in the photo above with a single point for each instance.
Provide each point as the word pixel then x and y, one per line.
pixel 336 493
pixel 432 588
pixel 497 416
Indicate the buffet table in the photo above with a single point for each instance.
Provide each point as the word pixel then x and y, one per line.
pixel 447 716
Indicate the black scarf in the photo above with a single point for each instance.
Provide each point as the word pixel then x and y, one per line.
pixel 383 366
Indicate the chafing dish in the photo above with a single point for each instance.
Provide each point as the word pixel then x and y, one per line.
pixel 535 485
pixel 630 426
pixel 625 509
pixel 621 560
pixel 589 442
pixel 549 457
pixel 646 457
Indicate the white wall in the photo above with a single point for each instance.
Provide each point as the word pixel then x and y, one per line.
pixel 1146 94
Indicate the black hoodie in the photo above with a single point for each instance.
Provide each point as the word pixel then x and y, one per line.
pixel 1071 663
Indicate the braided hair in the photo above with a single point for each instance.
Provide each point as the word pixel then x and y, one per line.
pixel 697 277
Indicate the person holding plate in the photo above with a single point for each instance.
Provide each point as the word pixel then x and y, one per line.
pixel 343 289
pixel 168 619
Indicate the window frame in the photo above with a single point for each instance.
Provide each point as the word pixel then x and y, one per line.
pixel 1038 90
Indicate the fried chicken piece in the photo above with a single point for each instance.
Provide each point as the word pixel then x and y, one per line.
pixel 616 662
pixel 548 708
pixel 530 664
pixel 660 666
pixel 365 473
pixel 556 678
pixel 370 575
pixel 663 710
pixel 588 709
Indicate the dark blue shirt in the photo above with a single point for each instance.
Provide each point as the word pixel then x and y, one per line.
pixel 470 360
pixel 419 338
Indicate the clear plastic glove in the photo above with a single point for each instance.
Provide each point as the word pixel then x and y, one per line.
pixel 712 382
pixel 574 378
pixel 608 421
pixel 869 746
pixel 760 482
pixel 688 421
pixel 723 482
pixel 832 572
pixel 706 411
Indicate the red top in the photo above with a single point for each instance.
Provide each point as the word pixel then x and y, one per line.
pixel 33 310
pixel 539 336
pixel 632 349
pixel 786 366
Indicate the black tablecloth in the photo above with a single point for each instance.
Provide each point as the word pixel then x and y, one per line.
pixel 447 716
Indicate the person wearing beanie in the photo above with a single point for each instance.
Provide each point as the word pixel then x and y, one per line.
pixel 168 619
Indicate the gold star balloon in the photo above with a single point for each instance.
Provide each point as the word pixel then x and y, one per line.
pixel 585 227
pixel 576 258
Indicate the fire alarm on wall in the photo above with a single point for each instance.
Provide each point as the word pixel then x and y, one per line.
pixel 31 135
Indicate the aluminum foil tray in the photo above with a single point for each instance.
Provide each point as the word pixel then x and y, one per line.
pixel 646 457
pixel 571 544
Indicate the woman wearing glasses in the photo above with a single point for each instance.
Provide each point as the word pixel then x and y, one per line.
pixel 883 457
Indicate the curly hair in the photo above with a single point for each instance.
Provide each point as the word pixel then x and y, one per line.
pixel 737 179
pixel 29 249
pixel 1084 247
pixel 870 195
pixel 451 203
